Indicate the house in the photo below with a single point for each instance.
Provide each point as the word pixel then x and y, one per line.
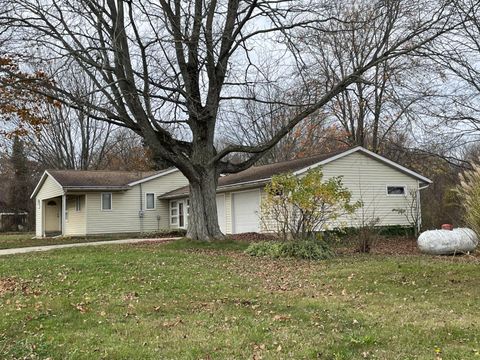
pixel 95 202
pixel 70 202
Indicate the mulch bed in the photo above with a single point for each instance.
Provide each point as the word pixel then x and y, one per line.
pixel 399 245
pixel 252 236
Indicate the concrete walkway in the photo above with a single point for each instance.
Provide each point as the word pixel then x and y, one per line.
pixel 93 243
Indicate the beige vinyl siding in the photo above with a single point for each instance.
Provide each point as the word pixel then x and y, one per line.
pixel 367 179
pixel 267 223
pixel 228 212
pixel 76 223
pixel 161 186
pixel 124 216
pixel 49 189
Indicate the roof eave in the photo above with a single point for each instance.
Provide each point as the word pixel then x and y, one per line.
pixel 96 188
pixel 231 187
pixel 153 177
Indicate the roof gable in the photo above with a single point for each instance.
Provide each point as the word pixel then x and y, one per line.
pixel 372 155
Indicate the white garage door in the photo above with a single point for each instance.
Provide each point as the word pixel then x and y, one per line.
pixel 246 210
pixel 222 222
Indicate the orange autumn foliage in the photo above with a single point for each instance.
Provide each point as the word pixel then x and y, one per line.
pixel 22 97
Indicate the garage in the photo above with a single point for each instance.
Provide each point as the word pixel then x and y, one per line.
pixel 222 221
pixel 245 211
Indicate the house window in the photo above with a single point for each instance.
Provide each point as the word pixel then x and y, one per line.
pixel 173 212
pixel 78 203
pixel 396 190
pixel 106 201
pixel 150 201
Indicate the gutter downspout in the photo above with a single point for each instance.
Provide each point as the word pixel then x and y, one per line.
pixel 64 213
pixel 419 207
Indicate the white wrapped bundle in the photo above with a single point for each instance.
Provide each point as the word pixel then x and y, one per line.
pixel 445 242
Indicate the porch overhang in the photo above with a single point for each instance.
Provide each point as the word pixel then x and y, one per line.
pixel 80 189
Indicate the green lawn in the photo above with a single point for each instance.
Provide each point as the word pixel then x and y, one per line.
pixel 20 240
pixel 182 301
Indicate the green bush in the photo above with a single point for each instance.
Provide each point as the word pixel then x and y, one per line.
pixel 300 249
pixel 265 248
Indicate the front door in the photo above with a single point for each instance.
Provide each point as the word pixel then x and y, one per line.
pixel 52 215
pixel 180 210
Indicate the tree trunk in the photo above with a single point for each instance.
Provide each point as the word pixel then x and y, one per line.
pixel 203 218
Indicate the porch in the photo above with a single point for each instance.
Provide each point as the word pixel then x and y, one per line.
pixel 62 215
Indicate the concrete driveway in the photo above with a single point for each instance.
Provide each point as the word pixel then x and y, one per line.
pixel 93 243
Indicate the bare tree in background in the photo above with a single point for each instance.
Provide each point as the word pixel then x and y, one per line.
pixel 128 152
pixel 71 140
pixel 253 123
pixel 167 69
pixel 458 54
pixel 370 110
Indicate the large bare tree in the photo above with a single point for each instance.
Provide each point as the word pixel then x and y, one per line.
pixel 167 69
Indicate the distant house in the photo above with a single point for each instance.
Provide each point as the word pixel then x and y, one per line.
pixel 99 202
pixel 12 219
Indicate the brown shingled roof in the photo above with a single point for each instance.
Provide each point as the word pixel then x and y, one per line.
pixel 98 178
pixel 264 172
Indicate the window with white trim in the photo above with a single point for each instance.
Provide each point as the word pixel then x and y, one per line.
pixel 106 201
pixel 173 212
pixel 396 190
pixel 150 201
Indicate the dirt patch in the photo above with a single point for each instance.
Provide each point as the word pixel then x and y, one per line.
pixel 400 245
pixel 396 246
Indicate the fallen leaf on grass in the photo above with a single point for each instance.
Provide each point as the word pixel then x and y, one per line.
pixel 80 307
pixel 169 324
pixel 281 317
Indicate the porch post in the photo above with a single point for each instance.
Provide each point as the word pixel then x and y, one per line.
pixel 63 210
pixel 42 207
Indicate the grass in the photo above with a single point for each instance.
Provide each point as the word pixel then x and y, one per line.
pixel 184 300
pixel 20 240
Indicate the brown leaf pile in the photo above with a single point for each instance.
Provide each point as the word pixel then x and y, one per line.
pixel 12 285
